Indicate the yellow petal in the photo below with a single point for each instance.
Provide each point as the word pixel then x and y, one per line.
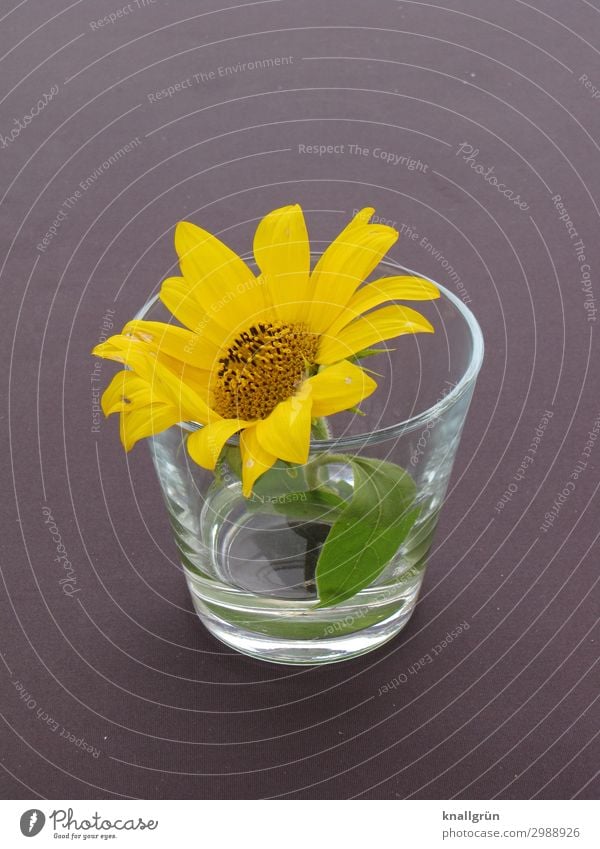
pixel 115 348
pixel 207 260
pixel 126 390
pixel 190 404
pixel 139 423
pixel 377 326
pixel 133 353
pixel 338 388
pixel 221 283
pixel 281 247
pixel 173 341
pixel 286 431
pixel 282 252
pixel 205 445
pixel 213 318
pixel 142 359
pixel 363 216
pixel 255 460
pixel 178 297
pixel 345 264
pixel 197 379
pixel 164 375
pixel 402 288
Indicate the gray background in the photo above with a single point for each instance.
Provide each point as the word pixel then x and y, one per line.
pixel 508 709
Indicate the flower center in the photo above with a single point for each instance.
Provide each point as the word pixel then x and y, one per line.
pixel 264 366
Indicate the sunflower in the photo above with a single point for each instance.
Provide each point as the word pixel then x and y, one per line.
pixel 263 355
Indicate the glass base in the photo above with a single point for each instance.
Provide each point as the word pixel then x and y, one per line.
pixel 308 652
pixel 304 637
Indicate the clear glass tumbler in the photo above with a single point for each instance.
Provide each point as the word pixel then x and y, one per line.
pixel 249 563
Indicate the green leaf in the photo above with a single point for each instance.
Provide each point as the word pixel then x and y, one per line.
pixel 368 532
pixel 281 478
pixel 370 352
pixel 314 505
pixel 369 521
pixel 305 626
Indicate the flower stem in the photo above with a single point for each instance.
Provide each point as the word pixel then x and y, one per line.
pixel 315 534
pixel 320 428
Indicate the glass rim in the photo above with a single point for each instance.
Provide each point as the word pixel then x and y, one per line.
pixel 396 429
